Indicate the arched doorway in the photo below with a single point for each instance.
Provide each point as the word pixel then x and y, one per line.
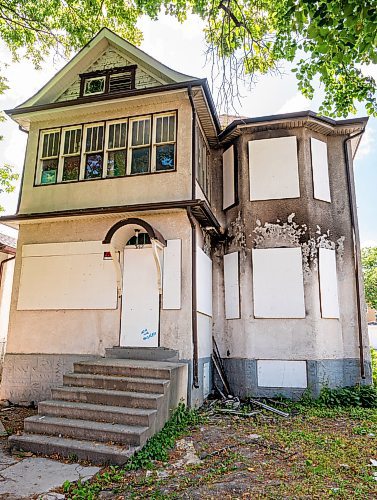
pixel 140 265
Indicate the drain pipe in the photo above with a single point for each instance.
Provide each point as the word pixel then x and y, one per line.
pixel 352 203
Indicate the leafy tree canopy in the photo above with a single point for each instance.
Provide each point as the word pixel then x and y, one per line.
pixel 369 263
pixel 327 41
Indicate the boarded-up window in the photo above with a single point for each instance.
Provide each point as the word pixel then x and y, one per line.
pixel 320 170
pixel 229 194
pixel 281 373
pixel 278 283
pixel 231 285
pixel 172 275
pixel 203 282
pixel 328 283
pixel 66 276
pixel 273 169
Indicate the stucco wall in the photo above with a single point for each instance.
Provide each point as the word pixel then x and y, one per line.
pixel 312 338
pixel 148 188
pixel 91 331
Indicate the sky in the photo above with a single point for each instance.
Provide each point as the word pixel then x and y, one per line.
pixel 182 47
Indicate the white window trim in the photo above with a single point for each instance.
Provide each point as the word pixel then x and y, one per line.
pixel 84 152
pixel 130 147
pixel 40 158
pixel 155 143
pixel 62 155
pixel 107 149
pixel 94 78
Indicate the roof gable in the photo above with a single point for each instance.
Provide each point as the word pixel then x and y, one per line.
pixel 105 50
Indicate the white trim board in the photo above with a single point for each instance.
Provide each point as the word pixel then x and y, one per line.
pixel 232 285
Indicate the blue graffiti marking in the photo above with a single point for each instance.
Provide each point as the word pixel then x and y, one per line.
pixel 147 335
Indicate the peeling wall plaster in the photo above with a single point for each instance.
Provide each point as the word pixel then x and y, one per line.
pixel 287 234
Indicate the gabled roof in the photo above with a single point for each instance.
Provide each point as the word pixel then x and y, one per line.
pixel 88 54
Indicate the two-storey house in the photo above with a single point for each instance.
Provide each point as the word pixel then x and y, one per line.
pixel 144 224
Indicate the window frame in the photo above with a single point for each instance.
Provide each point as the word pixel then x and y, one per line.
pixel 84 152
pixel 106 124
pixel 200 134
pixel 69 155
pixel 108 150
pixel 40 158
pixel 131 121
pixel 106 73
pixel 155 144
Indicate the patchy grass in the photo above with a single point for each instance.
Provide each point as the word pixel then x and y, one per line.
pixel 319 453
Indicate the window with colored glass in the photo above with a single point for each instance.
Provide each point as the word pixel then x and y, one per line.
pixel 93 86
pixel 70 152
pixel 164 144
pixel 140 146
pixel 117 149
pixel 49 156
pixel 93 152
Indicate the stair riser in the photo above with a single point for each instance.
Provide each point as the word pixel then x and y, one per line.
pixel 93 456
pixel 96 416
pixel 154 355
pixel 85 433
pixel 106 399
pixel 116 385
pixel 125 371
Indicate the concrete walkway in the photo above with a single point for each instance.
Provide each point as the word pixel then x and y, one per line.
pixel 27 477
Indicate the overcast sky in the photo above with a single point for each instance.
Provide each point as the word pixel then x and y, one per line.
pixel 182 47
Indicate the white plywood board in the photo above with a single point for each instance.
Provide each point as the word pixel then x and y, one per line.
pixel 278 284
pixel 273 169
pixel 206 376
pixel 328 283
pixel 76 281
pixel 171 291
pixel 229 195
pixel 140 299
pixel 281 373
pixel 320 170
pixel 203 282
pixel 204 324
pixel 231 285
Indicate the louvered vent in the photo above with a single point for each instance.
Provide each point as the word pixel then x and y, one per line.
pixel 121 82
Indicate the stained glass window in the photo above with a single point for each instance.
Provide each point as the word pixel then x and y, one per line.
pixel 49 157
pixel 94 85
pixel 140 160
pixel 165 142
pixel 49 171
pixel 140 146
pixel 116 163
pixel 93 166
pixel 71 168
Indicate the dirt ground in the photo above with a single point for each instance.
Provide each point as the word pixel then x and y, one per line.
pixel 306 456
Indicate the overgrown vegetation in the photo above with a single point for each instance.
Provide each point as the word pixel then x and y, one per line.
pixel 369 264
pixel 373 354
pixel 156 450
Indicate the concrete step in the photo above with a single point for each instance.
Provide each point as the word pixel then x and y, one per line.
pixel 150 385
pixel 92 451
pixel 86 430
pixel 127 368
pixel 105 397
pixel 98 413
pixel 145 353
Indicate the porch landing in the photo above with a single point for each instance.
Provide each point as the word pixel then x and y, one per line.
pixel 106 409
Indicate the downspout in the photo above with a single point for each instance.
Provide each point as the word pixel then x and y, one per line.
pixel 352 204
pixel 194 319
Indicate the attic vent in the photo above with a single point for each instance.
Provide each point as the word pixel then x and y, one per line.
pixel 121 82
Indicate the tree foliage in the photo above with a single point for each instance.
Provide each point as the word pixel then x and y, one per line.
pixel 369 263
pixel 326 41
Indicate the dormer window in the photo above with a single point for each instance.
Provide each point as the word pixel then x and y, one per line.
pixel 108 81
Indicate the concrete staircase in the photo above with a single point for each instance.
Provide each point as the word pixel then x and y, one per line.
pixel 107 408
